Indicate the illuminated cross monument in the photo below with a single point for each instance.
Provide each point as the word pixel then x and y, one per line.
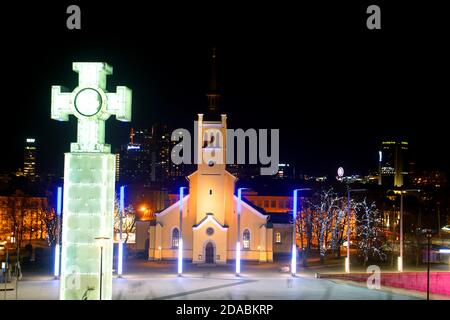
pixel 89 177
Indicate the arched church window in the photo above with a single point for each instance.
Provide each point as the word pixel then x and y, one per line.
pixel 246 239
pixel 175 237
pixel 277 237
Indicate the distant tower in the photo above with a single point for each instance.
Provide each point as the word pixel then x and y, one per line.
pixel 380 160
pixel 213 94
pixel 393 156
pixel 29 158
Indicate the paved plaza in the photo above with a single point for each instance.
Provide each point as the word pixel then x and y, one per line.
pixel 150 280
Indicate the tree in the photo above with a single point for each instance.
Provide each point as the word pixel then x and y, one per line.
pixel 304 225
pixel 326 221
pixel 52 226
pixel 128 220
pixel 370 235
pixel 322 219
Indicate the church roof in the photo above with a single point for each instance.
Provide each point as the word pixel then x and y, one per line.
pixel 209 217
pixel 279 218
pixel 174 205
pixel 251 204
pixel 253 209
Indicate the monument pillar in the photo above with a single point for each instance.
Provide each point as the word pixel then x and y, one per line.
pixel 89 183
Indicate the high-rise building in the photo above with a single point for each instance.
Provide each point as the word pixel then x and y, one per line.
pixel 135 158
pixel 146 158
pixel 160 145
pixel 29 158
pixel 117 155
pixel 285 171
pixel 392 163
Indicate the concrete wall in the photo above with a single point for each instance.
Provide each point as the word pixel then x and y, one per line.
pixel 285 231
pixel 219 240
pixel 142 228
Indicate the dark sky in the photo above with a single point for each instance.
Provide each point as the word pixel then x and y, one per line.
pixel 332 87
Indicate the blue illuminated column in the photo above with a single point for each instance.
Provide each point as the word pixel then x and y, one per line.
pixel 294 235
pixel 180 238
pixel 380 160
pixel 238 242
pixel 58 229
pixel 121 212
pixel 294 231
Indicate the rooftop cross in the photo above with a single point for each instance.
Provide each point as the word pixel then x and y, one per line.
pixel 92 105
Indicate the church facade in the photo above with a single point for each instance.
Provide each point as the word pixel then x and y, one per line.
pixel 209 212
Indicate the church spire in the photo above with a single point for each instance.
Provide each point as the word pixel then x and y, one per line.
pixel 213 95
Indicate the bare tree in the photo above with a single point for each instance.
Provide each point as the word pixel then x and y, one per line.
pixel 327 220
pixel 128 220
pixel 370 233
pixel 52 226
pixel 305 227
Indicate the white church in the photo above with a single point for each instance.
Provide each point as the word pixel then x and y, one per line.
pixel 209 214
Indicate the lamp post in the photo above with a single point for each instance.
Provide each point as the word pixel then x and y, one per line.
pixel 347 259
pixel 58 231
pixel 428 263
pixel 238 242
pixel 180 237
pixel 120 243
pixel 294 231
pixel 101 239
pixel 400 258
pixel 17 271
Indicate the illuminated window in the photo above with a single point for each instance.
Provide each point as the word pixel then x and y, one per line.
pixel 277 237
pixel 246 239
pixel 175 237
pixel 273 204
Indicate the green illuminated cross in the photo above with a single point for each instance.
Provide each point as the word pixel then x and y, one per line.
pixel 92 105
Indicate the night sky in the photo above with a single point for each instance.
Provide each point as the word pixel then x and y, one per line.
pixel 332 87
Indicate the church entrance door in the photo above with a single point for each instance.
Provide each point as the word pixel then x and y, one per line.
pixel 209 253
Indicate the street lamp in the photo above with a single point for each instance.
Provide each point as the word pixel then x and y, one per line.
pixel 58 230
pixel 101 239
pixel 429 235
pixel 238 242
pixel 400 258
pixel 121 212
pixel 180 236
pixel 294 231
pixel 347 259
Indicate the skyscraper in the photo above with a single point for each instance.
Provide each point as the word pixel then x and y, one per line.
pixel 392 163
pixel 29 158
pixel 135 158
pixel 146 158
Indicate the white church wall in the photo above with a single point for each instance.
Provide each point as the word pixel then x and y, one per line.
pixel 201 238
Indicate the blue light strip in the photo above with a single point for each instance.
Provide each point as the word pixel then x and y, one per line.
pixel 180 240
pixel 121 208
pixel 59 202
pixel 294 217
pixel 58 216
pixel 56 271
pixel 238 243
pixel 122 199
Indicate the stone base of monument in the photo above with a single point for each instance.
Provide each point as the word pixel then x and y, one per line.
pixel 88 213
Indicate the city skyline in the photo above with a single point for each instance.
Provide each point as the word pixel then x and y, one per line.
pixel 272 81
pixel 309 152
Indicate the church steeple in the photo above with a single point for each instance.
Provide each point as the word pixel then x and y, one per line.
pixel 213 95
